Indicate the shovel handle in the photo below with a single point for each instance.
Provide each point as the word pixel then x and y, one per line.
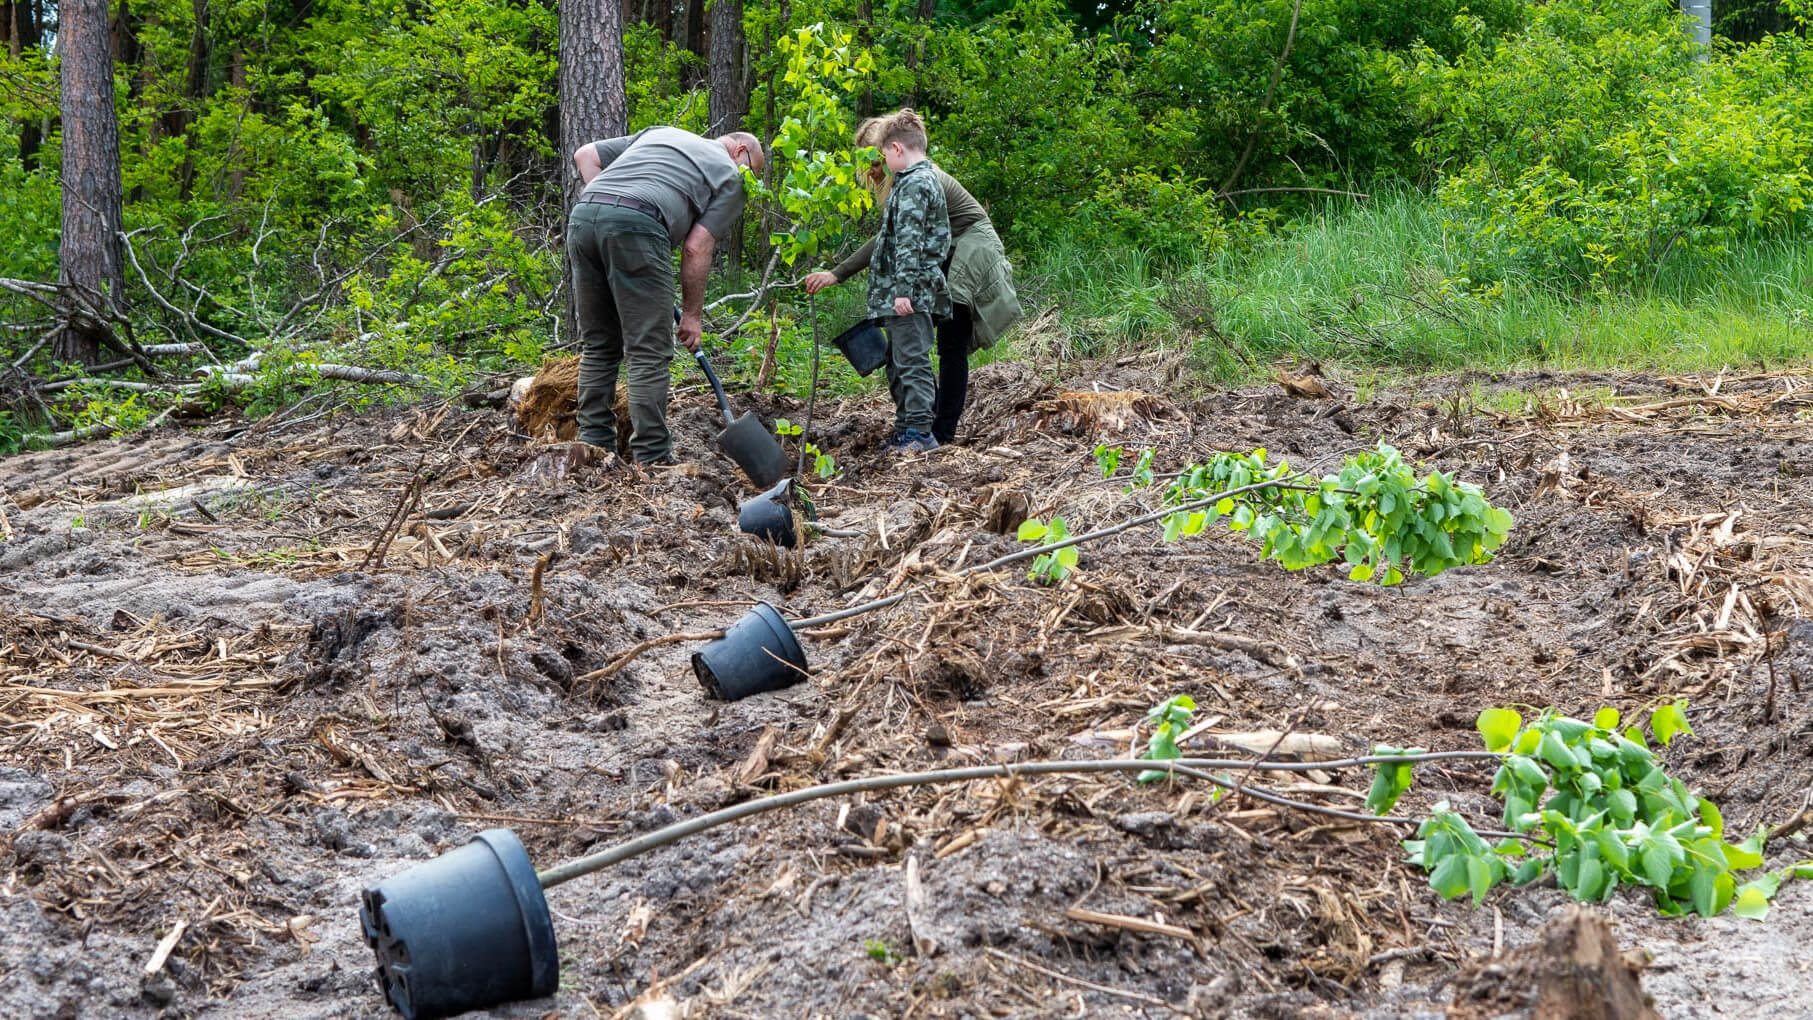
pixel 716 386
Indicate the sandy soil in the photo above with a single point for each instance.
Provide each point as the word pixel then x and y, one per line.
pixel 222 708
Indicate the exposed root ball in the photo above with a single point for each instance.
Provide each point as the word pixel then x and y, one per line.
pixel 1087 412
pixel 549 403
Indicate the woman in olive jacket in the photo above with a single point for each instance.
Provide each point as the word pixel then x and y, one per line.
pixel 980 278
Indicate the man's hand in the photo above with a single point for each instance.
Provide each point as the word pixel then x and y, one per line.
pixel 903 306
pixel 818 281
pixel 689 331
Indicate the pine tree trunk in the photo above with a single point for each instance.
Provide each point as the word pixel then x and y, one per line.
pixel 693 75
pixel 915 55
pixel 90 253
pixel 592 102
pixel 729 86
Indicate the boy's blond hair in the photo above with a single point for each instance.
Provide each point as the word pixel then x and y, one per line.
pixel 905 127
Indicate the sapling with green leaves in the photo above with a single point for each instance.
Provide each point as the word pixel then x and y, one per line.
pixel 1376 514
pixel 1169 720
pixel 817 185
pixel 1599 812
pixel 1054 566
pixel 823 464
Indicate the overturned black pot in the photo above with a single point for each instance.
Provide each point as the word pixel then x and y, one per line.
pixel 467 930
pixel 768 517
pixel 757 654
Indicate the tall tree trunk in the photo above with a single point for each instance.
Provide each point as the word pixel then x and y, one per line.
pixel 27 27
pixel 236 72
pixel 664 19
pixel 694 75
pixel 915 55
pixel 89 254
pixel 592 102
pixel 729 87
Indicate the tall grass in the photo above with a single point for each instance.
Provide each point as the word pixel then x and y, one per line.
pixel 1384 283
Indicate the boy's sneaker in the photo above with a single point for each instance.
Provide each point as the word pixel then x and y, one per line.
pixel 913 441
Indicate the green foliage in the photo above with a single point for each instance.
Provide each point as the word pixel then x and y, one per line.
pixel 1389 781
pixel 1169 720
pixel 1606 811
pixel 1108 458
pixel 1375 515
pixel 1335 94
pixel 12 434
pixel 1054 566
pixel 655 75
pixel 1172 220
pixel 1656 154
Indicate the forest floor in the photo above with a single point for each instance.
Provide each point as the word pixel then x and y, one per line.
pixel 222 711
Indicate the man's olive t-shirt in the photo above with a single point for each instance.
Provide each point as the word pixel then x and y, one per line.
pixel 690 179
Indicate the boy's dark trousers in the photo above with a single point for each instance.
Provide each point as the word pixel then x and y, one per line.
pixel 910 378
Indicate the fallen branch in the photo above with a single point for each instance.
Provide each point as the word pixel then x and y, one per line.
pixel 118 384
pixel 53 440
pixel 237 376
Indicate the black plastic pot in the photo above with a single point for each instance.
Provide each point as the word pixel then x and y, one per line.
pixel 467 930
pixel 864 346
pixel 768 517
pixel 757 654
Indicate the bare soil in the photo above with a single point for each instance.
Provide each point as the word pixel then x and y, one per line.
pixel 247 671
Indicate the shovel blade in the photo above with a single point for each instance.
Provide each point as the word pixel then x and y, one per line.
pixel 755 450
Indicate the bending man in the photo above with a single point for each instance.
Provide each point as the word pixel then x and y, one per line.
pixel 646 194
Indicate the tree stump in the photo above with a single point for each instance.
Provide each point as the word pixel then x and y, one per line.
pixel 1574 971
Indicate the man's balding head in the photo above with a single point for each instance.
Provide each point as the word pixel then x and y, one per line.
pixel 745 150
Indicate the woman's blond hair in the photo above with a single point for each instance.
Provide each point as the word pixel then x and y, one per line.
pixel 868 136
pixel 904 126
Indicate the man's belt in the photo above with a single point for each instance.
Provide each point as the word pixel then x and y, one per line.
pixel 646 208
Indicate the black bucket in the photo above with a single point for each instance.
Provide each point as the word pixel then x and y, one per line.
pixel 863 345
pixel 768 517
pixel 757 654
pixel 467 930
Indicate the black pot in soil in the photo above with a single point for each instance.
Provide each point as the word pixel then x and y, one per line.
pixel 467 930
pixel 757 654
pixel 768 517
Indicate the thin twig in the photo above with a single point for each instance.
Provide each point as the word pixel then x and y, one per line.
pixel 1150 1000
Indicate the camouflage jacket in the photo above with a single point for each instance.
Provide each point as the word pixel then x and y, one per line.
pixel 910 249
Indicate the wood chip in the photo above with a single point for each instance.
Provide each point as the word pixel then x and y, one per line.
pixel 1130 923
pixel 161 954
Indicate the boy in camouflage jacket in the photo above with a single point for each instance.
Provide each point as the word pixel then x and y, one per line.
pixel 907 288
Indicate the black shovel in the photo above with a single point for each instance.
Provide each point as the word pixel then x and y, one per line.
pixel 745 440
